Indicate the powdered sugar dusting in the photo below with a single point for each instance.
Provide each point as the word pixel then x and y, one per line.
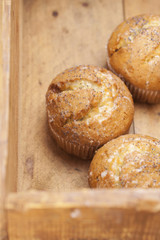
pixel 127 98
pixel 108 91
pixel 130 161
pixel 104 173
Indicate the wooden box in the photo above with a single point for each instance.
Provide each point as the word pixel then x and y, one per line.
pixel 44 191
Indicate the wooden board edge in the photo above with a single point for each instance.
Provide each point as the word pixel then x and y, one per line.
pixel 139 199
pixel 13 96
pixel 85 215
pixel 9 73
pixel 5 21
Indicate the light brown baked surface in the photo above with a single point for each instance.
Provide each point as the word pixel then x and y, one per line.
pixel 89 105
pixel 134 51
pixel 126 162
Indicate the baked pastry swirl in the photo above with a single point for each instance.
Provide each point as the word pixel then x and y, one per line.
pixel 87 106
pixel 128 161
pixel 134 55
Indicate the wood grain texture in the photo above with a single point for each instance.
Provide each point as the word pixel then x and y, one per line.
pixel 84 215
pixel 147 117
pixel 9 61
pixel 56 36
pixel 13 97
pixel 136 7
pixel 5 7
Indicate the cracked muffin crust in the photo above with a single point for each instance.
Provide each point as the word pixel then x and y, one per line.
pixel 87 106
pixel 128 161
pixel 134 55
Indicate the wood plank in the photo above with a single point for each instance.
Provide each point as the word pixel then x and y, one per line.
pixel 130 214
pixel 147 117
pixel 5 7
pixel 136 7
pixel 13 97
pixel 9 62
pixel 56 35
pixel 119 214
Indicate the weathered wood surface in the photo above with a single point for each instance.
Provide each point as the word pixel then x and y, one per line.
pixel 85 215
pixel 57 35
pixel 9 79
pixel 4 105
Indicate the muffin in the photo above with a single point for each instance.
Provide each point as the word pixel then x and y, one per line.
pixel 134 55
pixel 87 106
pixel 128 161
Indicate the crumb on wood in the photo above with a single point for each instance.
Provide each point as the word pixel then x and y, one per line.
pixel 55 13
pixel 40 83
pixel 85 4
pixel 78 170
pixel 65 30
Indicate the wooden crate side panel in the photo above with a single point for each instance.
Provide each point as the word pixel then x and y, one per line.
pixel 9 72
pixel 13 97
pixel 29 218
pixel 5 7
pixel 85 215
pixel 93 223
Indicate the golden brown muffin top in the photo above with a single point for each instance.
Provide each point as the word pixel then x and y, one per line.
pixel 88 105
pixel 129 161
pixel 134 51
